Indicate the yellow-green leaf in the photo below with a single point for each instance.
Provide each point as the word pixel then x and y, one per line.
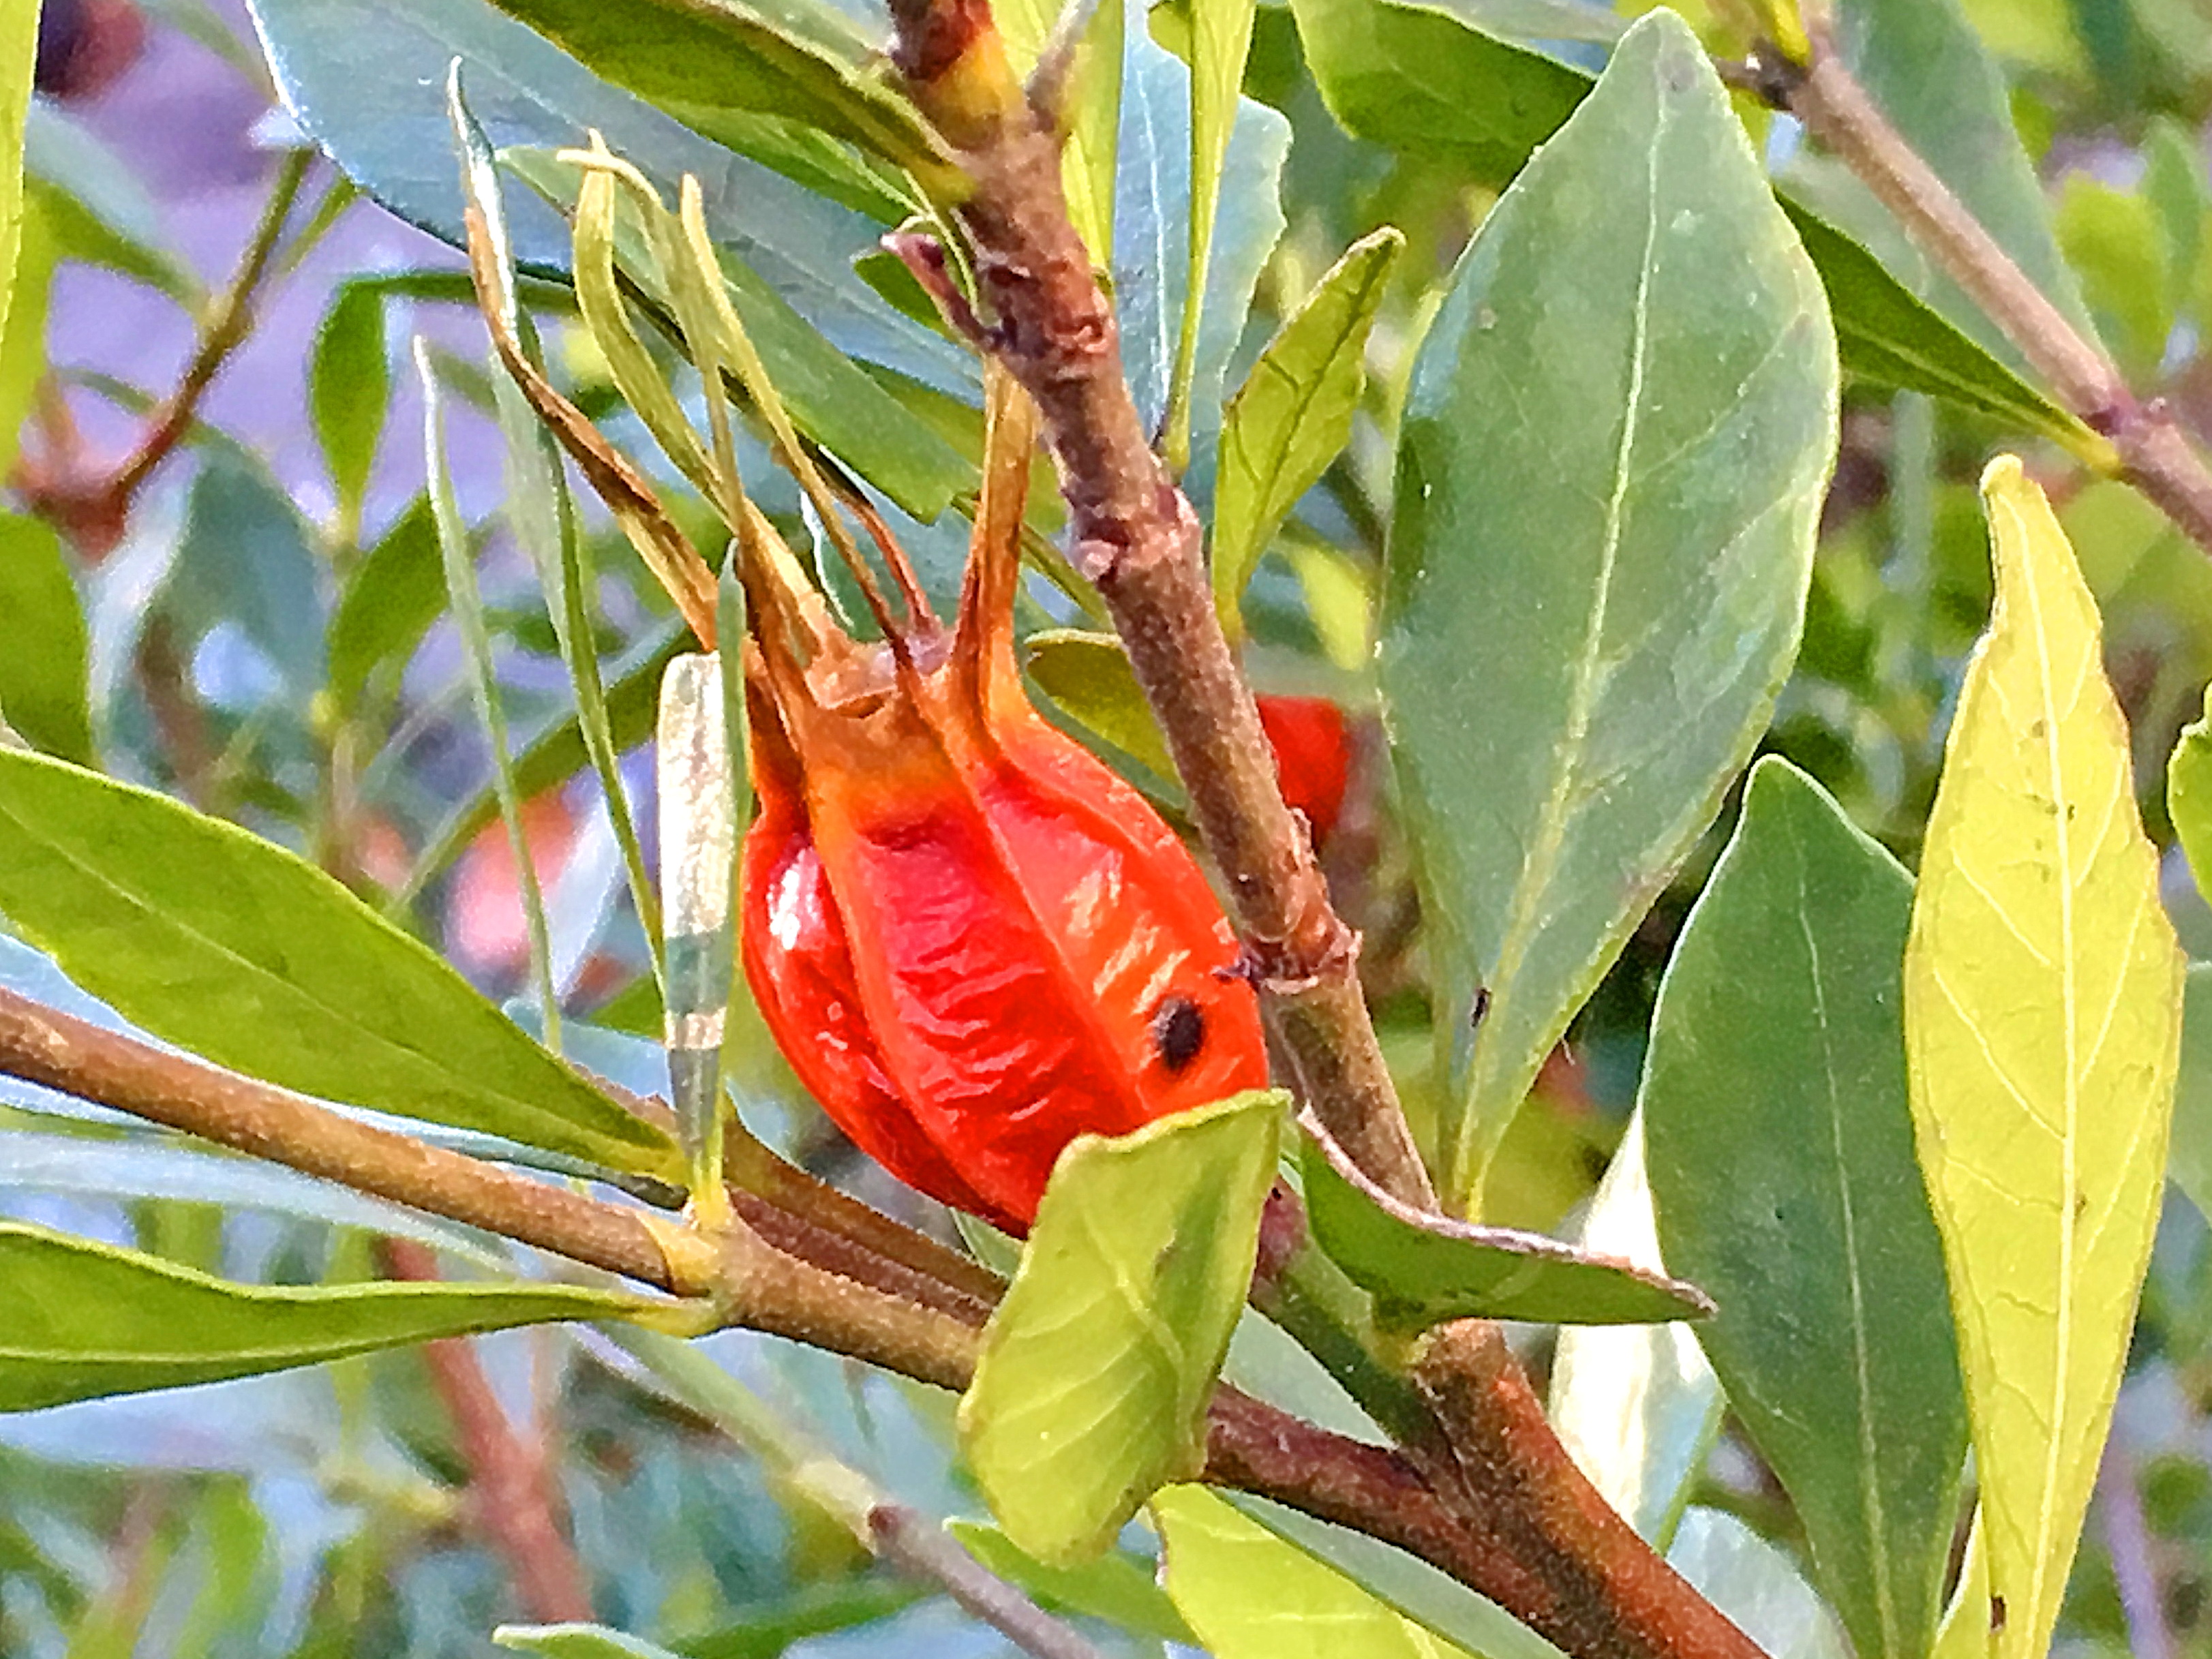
pixel 2189 795
pixel 19 37
pixel 1250 1596
pixel 1092 1389
pixel 2043 1015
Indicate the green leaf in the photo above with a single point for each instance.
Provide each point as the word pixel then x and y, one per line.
pixel 2189 794
pixel 1088 674
pixel 577 1642
pixel 1781 1156
pixel 1091 1389
pixel 705 60
pixel 1637 1407
pixel 1598 561
pixel 1921 62
pixel 1117 1588
pixel 44 666
pixel 1250 1596
pixel 1151 264
pixel 1292 416
pixel 152 1166
pixel 23 335
pixel 1422 81
pixel 1441 1605
pixel 1220 40
pixel 366 78
pixel 390 599
pixel 215 940
pixel 246 558
pixel 1756 1585
pixel 87 1320
pixel 2115 240
pixel 1424 1269
pixel 2042 1014
pixel 19 42
pixel 831 399
pixel 2190 1164
pixel 1439 84
pixel 349 389
pixel 457 553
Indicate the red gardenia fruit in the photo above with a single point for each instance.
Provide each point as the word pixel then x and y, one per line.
pixel 970 939
pixel 1312 742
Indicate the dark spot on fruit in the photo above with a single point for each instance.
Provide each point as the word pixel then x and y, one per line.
pixel 1178 1032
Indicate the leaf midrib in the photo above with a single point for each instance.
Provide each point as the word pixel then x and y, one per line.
pixel 1547 844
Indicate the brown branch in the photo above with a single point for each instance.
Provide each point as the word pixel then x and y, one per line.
pixel 1477 1531
pixel 511 1491
pixel 2154 455
pixel 918 1548
pixel 755 1285
pixel 93 512
pixel 1135 536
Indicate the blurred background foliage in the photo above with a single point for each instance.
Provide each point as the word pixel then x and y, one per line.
pixel 263 633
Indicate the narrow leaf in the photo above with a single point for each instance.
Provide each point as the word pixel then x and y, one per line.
pixel 1587 619
pixel 1250 1596
pixel 390 599
pixel 1292 416
pixel 459 557
pixel 19 42
pixel 1221 38
pixel 348 388
pixel 1424 1269
pixel 214 939
pixel 1637 1406
pixel 87 1320
pixel 1097 1368
pixel 1781 1156
pixel 705 62
pixel 2042 1001
pixel 45 662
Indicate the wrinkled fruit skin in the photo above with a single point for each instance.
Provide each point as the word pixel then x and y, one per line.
pixel 972 940
pixel 1312 742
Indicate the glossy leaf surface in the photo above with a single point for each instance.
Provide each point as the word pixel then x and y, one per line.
pixel 1425 1269
pixel 1092 1386
pixel 1610 472
pixel 45 662
pixel 1637 1406
pixel 1089 676
pixel 368 77
pixel 1249 1596
pixel 348 384
pixel 217 940
pixel 2043 1001
pixel 707 60
pixel 1781 1156
pixel 1292 415
pixel 88 1320
pixel 1449 84
pixel 1757 1585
